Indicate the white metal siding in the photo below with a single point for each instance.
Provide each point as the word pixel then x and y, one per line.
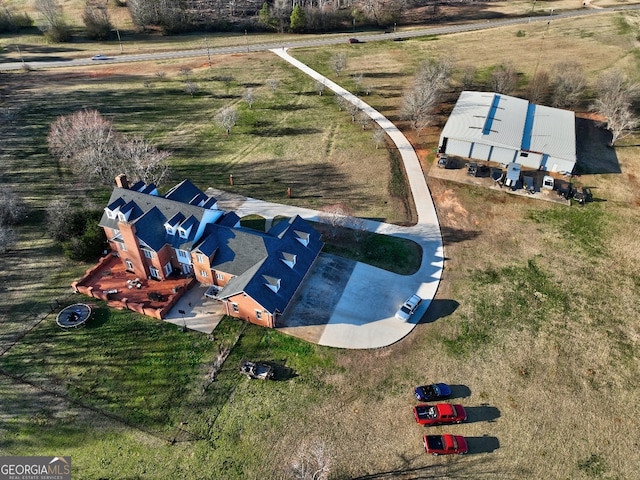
pixel 502 155
pixel 458 147
pixel 481 151
pixel 532 160
pixel 559 165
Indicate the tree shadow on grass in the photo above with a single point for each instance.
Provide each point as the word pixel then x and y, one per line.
pixel 592 149
pixel 470 468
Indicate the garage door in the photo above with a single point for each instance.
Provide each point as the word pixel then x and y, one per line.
pixel 502 155
pixel 458 147
pixel 529 160
pixel 481 151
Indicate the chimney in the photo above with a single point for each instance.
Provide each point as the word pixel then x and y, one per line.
pixel 121 181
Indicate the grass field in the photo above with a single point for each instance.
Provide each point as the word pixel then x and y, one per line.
pixel 535 322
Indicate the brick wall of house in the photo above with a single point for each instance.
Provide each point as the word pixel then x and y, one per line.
pixel 223 280
pixel 164 256
pixel 247 310
pixel 133 253
pixel 202 270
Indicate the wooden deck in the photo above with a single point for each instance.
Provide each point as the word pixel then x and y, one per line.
pixel 109 281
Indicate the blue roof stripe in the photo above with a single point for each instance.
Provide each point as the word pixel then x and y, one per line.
pixel 528 127
pixel 486 130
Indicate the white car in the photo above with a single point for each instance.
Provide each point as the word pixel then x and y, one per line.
pixel 100 56
pixel 409 307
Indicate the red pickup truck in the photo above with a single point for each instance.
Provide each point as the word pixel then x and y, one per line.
pixel 445 444
pixel 439 413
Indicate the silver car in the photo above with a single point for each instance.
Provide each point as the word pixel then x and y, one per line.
pixel 409 307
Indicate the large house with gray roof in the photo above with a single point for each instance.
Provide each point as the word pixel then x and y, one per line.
pixel 184 233
pixel 504 129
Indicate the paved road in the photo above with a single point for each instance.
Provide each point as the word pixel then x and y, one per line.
pixel 316 41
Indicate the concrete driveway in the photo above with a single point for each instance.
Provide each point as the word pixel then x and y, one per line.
pixel 349 304
pixel 200 313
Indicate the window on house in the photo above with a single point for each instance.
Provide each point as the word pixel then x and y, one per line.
pixel 110 214
pixel 302 237
pixel 182 254
pixel 169 230
pixel 219 276
pixel 258 314
pixel 129 264
pixel 122 217
pixel 154 272
pixel 148 253
pixel 167 269
pixel 289 259
pixel 200 257
pixel 234 307
pixel 204 273
pixel 524 154
pixel 183 233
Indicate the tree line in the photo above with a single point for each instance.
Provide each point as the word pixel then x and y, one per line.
pixel 563 86
pixel 177 16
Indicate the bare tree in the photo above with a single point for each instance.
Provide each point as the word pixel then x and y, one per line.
pixel 338 62
pixel 273 84
pixel 58 214
pixel 312 461
pixel 250 97
pixel 363 119
pixel 8 238
pixel 88 144
pixel 504 79
pixel 340 101
pixel 568 84
pixel 614 96
pixel 319 86
pixel 227 118
pixel 468 76
pixel 53 24
pixel 357 80
pixel 12 207
pixel 161 74
pixel 336 216
pixel 185 71
pixel 96 20
pixel 51 11
pixel 142 160
pixel 378 137
pixel 538 87
pixel 419 102
pixel 353 110
pixel 358 227
pixel 191 87
pixel 84 141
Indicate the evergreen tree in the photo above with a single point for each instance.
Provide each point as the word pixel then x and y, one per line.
pixel 298 21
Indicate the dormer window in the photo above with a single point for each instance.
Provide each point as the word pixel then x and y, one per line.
pixel 272 282
pixel 289 259
pixel 302 237
pixel 122 217
pixel 169 229
pixel 183 232
pixel 110 214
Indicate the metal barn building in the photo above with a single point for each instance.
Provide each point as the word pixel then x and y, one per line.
pixel 499 128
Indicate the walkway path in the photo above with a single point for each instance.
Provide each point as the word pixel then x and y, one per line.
pixel 363 315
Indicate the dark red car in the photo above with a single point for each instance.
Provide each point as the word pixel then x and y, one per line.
pixel 446 444
pixel 439 413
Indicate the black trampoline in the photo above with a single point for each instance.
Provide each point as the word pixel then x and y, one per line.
pixel 74 315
